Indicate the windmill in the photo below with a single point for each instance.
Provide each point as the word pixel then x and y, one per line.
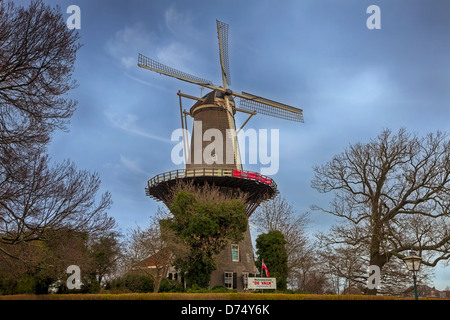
pixel 216 110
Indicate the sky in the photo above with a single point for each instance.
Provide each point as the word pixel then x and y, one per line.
pixel 317 55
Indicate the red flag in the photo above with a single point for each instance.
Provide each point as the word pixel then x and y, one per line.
pixel 265 268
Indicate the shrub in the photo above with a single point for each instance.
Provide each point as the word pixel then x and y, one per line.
pixel 221 289
pixel 131 283
pixel 171 286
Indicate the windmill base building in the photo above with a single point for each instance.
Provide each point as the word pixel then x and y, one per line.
pixel 236 262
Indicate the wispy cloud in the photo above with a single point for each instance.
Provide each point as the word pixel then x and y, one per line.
pixel 175 54
pixel 128 123
pixel 357 87
pixel 150 84
pixel 133 165
pixel 181 52
pixel 127 42
pixel 179 22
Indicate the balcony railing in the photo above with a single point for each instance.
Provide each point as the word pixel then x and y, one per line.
pixel 210 172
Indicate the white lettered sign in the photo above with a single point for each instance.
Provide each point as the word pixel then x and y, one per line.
pixel 262 283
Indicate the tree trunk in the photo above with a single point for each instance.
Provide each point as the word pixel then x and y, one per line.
pixel 158 279
pixel 375 257
pixel 377 260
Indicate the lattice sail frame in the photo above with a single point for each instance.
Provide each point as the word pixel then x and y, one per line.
pixel 222 30
pixel 268 110
pixel 147 63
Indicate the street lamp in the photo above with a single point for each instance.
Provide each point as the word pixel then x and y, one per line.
pixel 413 263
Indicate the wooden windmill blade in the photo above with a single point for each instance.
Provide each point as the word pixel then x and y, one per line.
pixel 222 33
pixel 268 107
pixel 150 64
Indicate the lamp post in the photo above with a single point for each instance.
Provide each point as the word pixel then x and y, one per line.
pixel 413 263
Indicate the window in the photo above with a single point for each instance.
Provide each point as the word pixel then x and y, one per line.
pixel 245 276
pixel 228 280
pixel 234 252
pixel 245 279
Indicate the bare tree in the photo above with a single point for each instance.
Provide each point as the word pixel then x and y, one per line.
pixel 104 253
pixel 37 200
pixel 346 259
pixel 278 214
pixel 345 264
pixel 152 249
pixel 394 193
pixel 37 55
pixel 51 198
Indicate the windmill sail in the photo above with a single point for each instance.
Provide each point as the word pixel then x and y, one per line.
pixel 222 31
pixel 147 63
pixel 267 107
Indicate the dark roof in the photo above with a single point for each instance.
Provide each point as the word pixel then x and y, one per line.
pixel 159 258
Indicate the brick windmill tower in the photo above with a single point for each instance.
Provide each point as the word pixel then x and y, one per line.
pixel 222 166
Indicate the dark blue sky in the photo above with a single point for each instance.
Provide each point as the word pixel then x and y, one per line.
pixel 317 55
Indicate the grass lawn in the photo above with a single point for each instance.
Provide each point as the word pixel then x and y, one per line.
pixel 196 296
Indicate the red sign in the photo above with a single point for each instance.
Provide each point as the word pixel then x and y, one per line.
pixel 251 176
pixel 265 180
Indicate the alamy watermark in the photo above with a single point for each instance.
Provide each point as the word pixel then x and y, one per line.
pixel 74 21
pixel 212 146
pixel 374 21
pixel 74 280
pixel 373 281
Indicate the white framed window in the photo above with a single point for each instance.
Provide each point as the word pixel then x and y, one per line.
pixel 245 279
pixel 234 252
pixel 228 280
